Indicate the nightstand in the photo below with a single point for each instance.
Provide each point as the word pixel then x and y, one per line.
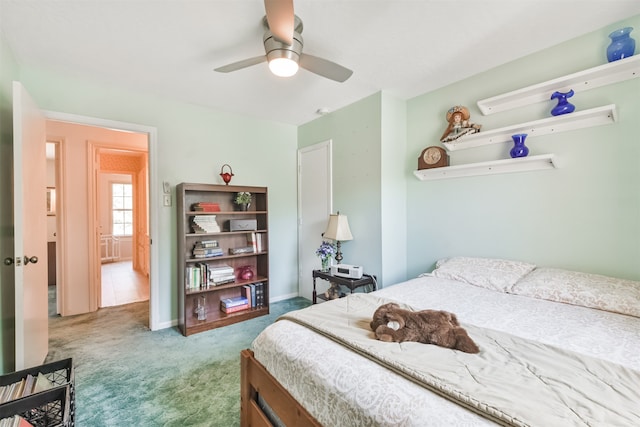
pixel 351 284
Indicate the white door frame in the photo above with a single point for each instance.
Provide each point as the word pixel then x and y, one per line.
pixel 304 247
pixel 152 132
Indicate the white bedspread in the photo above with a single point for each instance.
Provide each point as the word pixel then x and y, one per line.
pixel 341 388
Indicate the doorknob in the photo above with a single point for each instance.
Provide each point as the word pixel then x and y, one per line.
pixel 8 261
pixel 33 259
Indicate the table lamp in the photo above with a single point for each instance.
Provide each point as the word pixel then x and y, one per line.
pixel 338 230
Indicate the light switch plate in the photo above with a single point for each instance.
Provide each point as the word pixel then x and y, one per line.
pixel 166 187
pixel 166 200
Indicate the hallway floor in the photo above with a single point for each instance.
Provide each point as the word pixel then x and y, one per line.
pixel 122 285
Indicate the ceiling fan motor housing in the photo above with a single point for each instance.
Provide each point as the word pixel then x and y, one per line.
pixel 276 49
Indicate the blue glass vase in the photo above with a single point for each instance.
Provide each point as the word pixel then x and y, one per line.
pixel 519 149
pixel 564 106
pixel 622 46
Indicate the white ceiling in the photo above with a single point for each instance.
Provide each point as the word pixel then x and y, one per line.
pixel 405 47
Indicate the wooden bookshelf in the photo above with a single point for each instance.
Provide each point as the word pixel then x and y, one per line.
pixel 205 292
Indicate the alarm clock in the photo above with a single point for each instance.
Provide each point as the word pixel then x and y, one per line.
pixel 433 157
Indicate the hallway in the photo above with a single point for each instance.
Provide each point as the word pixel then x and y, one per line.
pixel 122 285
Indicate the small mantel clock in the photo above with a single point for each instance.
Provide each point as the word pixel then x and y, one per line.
pixel 433 157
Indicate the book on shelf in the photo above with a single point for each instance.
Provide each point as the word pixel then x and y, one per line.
pixel 205 207
pixel 242 250
pixel 206 252
pixel 252 287
pixel 25 387
pixel 15 421
pixel 261 244
pixel 233 301
pixel 206 244
pixel 191 277
pixel 42 383
pixel 256 240
pixel 205 224
pixel 234 308
pixel 259 295
pixel 206 248
pixel 222 269
pixel 246 292
pixel 221 274
pixel 217 281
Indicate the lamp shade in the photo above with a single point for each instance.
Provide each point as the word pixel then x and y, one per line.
pixel 338 228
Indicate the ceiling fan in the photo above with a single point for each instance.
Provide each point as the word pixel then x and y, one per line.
pixel 283 47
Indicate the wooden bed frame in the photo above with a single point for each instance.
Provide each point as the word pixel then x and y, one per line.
pixel 256 381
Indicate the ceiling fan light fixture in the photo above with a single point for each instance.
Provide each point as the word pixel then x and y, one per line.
pixel 283 67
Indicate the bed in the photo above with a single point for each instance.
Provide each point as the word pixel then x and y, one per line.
pixel 557 347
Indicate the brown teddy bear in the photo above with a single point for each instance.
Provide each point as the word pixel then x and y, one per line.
pixel 394 324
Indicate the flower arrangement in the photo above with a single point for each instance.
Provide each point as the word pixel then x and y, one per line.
pixel 325 250
pixel 242 198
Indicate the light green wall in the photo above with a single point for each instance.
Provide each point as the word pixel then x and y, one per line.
pixel 369 138
pixel 584 216
pixel 355 132
pixel 8 73
pixel 193 143
pixel 393 190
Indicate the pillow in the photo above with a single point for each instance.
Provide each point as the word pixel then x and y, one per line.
pixel 585 289
pixel 491 273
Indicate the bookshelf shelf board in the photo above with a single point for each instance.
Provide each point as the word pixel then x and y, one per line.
pixel 612 72
pixel 218 319
pixel 522 164
pixel 582 119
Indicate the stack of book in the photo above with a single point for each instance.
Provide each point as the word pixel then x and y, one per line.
pixel 207 249
pixel 231 305
pixel 205 207
pixel 205 224
pixel 254 294
pixel 222 274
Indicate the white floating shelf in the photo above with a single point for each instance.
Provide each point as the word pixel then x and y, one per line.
pixel 521 164
pixel 612 72
pixel 565 122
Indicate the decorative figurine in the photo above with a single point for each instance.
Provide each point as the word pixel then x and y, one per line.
pixel 333 292
pixel 459 125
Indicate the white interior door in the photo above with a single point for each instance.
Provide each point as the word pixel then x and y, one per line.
pixel 314 207
pixel 30 230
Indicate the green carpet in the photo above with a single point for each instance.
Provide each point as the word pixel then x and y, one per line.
pixel 127 375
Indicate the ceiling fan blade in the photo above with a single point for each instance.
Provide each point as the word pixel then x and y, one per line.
pixel 281 19
pixel 324 68
pixel 241 64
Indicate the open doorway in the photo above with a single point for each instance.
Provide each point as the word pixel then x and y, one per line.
pixel 124 278
pixel 89 149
